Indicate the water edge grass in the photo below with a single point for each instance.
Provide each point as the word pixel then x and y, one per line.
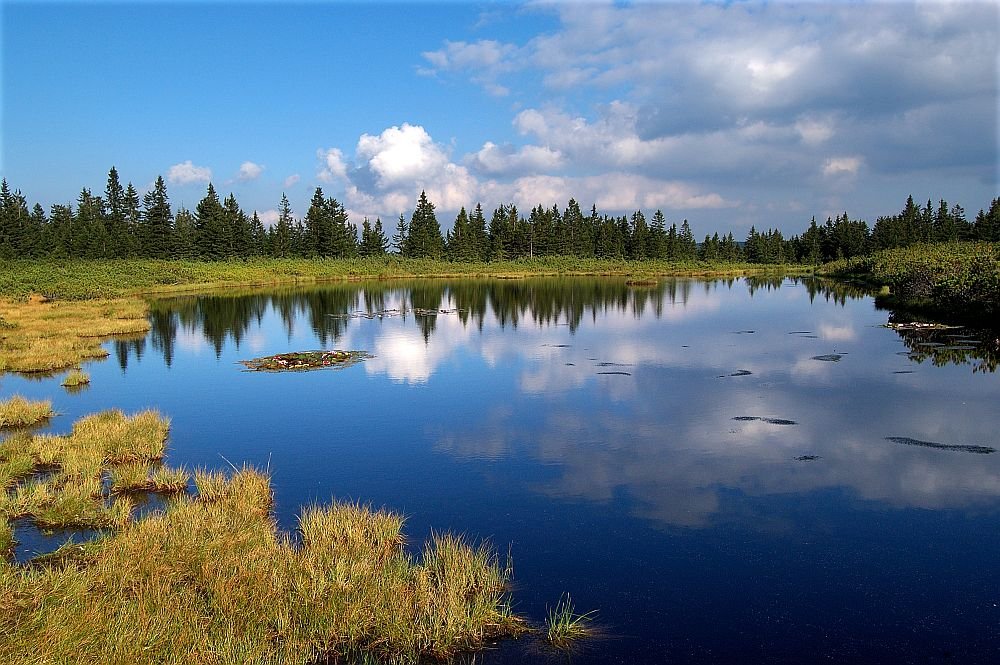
pixel 564 628
pixel 210 577
pixel 20 412
pixel 75 377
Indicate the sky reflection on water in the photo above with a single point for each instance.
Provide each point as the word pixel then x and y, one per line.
pixel 652 450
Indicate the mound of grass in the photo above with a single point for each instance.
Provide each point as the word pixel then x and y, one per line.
pixel 76 377
pixel 215 579
pixel 959 281
pixel 45 335
pixel 20 412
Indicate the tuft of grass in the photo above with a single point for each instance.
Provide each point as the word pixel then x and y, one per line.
pixel 20 412
pixel 166 480
pixel 564 627
pixel 76 377
pixel 209 576
pixel 7 541
pixel 122 438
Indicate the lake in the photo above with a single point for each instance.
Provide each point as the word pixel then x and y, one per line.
pixel 749 470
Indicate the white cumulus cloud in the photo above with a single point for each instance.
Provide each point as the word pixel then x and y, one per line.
pixel 186 173
pixel 249 171
pixel 292 179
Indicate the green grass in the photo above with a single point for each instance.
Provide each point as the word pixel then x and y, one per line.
pixel 954 280
pixel 76 377
pixel 564 627
pixel 20 412
pixel 81 280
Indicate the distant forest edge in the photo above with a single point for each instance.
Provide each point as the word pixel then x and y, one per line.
pixel 119 225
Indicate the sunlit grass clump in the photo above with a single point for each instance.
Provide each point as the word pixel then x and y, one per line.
pixel 564 627
pixel 59 480
pixel 20 412
pixel 76 377
pixel 41 335
pixel 215 581
pixel 210 578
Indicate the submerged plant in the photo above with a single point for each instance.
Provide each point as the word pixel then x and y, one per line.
pixel 564 627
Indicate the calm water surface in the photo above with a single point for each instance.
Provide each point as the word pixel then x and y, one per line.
pixel 727 471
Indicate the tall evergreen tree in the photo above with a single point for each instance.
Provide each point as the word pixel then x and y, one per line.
pixel 156 223
pixel 211 234
pixel 425 239
pixel 401 238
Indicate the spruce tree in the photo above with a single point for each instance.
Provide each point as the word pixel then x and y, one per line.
pixel 156 222
pixel 425 233
pixel 281 232
pixel 210 236
pixel 401 238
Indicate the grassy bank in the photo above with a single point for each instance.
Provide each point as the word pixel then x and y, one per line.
pixel 210 578
pixel 76 280
pixel 954 281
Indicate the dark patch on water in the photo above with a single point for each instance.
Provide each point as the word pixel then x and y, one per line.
pixel 745 332
pixel 800 332
pixel 741 372
pixel 570 364
pixel 907 441
pixel 829 357
pixel 616 373
pixel 807 458
pixel 903 371
pixel 931 344
pixel 770 421
pixel 557 346
pixel 614 364
pixel 957 347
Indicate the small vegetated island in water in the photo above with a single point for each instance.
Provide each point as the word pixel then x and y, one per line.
pixel 298 361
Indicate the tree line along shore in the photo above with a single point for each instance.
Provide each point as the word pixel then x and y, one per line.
pixel 121 224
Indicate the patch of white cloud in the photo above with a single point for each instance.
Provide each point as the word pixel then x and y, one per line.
pixel 839 167
pixel 485 60
pixel 493 159
pixel 292 180
pixel 756 98
pixel 333 166
pixel 249 171
pixel 268 217
pixel 186 173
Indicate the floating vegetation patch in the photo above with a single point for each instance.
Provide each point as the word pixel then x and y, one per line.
pixel 907 441
pixel 557 346
pixel 807 458
pixel 770 421
pixel 919 325
pixel 304 360
pixel 931 345
pixel 616 373
pixel 829 357
pixel 801 332
pixel 741 372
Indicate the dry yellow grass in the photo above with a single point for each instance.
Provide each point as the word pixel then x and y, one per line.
pixel 213 581
pixel 20 412
pixel 75 377
pixel 41 335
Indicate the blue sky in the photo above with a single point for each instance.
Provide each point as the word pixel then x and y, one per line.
pixel 725 114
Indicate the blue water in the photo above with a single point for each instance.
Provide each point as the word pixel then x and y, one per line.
pixel 677 457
